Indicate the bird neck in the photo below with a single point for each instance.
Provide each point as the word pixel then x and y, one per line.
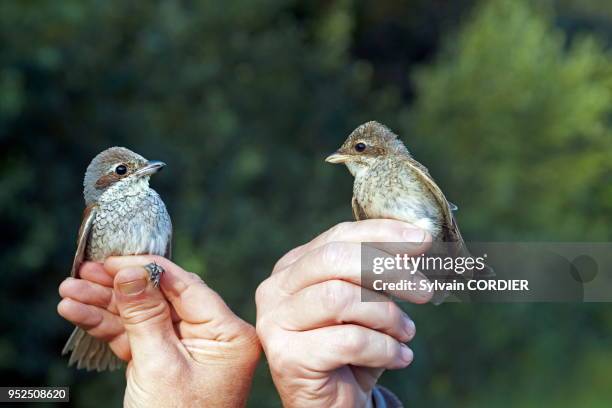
pixel 127 187
pixel 357 168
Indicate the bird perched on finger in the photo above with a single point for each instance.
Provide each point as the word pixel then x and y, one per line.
pixel 390 183
pixel 123 216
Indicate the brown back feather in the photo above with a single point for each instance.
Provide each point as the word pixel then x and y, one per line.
pixel 86 224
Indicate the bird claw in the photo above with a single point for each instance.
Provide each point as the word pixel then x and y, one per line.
pixel 155 273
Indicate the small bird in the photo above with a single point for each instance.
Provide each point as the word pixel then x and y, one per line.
pixel 389 183
pixel 123 216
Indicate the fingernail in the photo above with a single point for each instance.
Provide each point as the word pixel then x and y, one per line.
pixel 406 354
pixel 134 287
pixel 415 235
pixel 409 327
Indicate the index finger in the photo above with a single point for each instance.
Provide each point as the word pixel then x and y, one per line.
pixel 374 230
pixel 342 261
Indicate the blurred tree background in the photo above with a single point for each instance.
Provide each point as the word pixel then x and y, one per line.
pixel 507 102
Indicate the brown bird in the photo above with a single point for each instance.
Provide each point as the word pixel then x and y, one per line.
pixel 123 216
pixel 389 183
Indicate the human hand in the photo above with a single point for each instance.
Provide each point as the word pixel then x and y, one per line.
pixel 326 347
pixel 183 345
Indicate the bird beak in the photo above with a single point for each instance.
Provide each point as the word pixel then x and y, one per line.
pixel 152 167
pixel 337 158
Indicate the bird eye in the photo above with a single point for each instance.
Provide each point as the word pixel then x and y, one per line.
pixel 121 169
pixel 360 147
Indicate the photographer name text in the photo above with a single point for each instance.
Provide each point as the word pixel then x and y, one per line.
pixel 471 285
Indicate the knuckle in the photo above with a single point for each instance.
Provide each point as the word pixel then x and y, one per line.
pixel 332 253
pixel 279 355
pixel 394 314
pixel 264 323
pixel 390 349
pixel 194 277
pixel 352 342
pixel 142 312
pixel 336 295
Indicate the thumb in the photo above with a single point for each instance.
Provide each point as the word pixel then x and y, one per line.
pixel 145 315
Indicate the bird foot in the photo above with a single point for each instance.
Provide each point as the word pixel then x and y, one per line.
pixel 155 273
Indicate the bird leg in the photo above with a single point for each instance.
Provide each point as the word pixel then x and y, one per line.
pixel 155 272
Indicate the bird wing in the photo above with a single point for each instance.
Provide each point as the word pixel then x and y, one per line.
pixel 168 253
pixel 88 216
pixel 358 211
pixel 451 229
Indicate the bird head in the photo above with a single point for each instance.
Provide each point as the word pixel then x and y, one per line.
pixel 365 145
pixel 117 168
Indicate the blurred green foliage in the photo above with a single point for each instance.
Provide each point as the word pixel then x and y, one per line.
pixel 243 99
pixel 532 110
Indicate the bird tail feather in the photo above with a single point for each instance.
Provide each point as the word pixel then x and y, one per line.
pixel 90 353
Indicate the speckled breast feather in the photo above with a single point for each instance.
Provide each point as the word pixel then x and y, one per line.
pixel 132 224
